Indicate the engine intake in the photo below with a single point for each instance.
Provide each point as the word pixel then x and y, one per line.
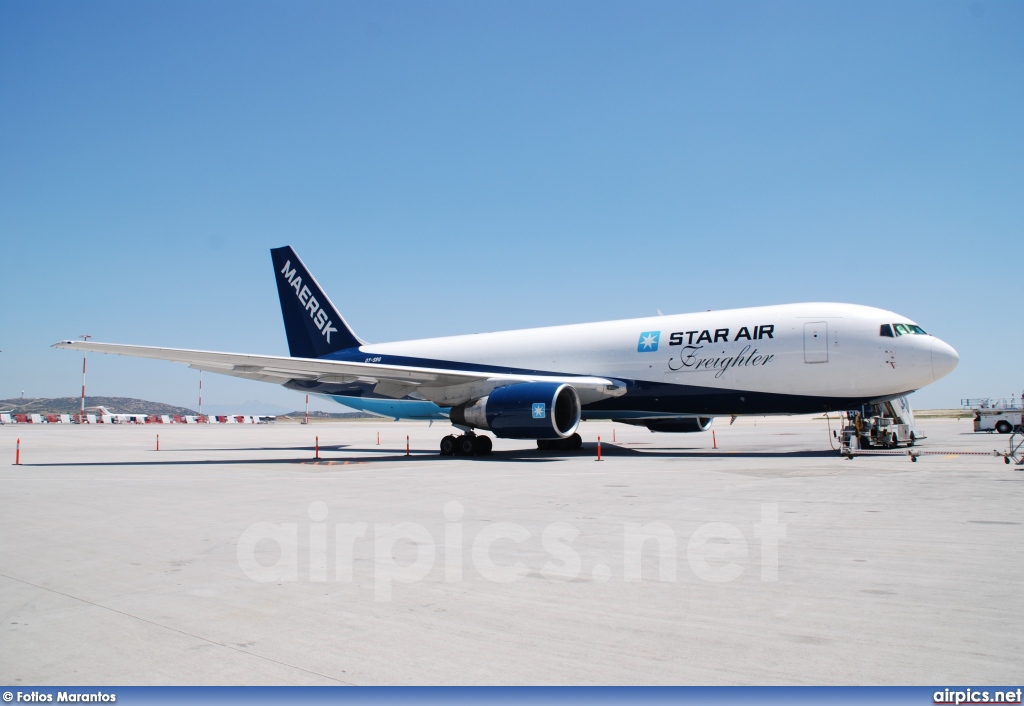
pixel 525 410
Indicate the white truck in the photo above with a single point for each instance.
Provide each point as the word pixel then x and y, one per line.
pixel 995 414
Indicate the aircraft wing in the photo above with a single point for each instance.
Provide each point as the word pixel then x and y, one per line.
pixel 443 386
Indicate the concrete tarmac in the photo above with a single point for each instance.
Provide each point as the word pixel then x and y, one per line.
pixel 232 557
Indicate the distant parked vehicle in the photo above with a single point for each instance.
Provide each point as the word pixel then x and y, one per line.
pixel 996 414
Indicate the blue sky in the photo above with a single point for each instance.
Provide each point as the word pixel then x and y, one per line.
pixel 451 167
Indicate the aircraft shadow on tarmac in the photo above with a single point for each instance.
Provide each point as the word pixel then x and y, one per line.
pixel 378 455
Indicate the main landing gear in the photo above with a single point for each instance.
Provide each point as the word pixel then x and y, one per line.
pixel 469 444
pixel 466 445
pixel 572 443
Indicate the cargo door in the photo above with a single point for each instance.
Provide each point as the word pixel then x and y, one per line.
pixel 816 342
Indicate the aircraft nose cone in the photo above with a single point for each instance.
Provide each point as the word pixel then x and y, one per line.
pixel 944 359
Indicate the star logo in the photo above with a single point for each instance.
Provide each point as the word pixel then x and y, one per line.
pixel 648 342
pixel 539 410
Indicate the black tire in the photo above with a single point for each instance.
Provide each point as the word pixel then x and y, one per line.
pixel 544 444
pixel 466 445
pixel 482 445
pixel 575 442
pixel 448 446
pixel 1003 426
pixel 913 439
pixel 894 441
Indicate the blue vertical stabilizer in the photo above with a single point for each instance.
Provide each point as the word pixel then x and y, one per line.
pixel 313 326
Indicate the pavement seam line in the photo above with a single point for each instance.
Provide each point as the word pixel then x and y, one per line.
pixel 168 627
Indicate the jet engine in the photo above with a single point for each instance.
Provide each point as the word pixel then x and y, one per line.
pixel 684 425
pixel 525 410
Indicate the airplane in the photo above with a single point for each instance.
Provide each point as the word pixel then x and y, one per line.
pixel 115 417
pixel 669 373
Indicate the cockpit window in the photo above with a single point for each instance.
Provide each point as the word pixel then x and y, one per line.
pixel 886 331
pixel 908 329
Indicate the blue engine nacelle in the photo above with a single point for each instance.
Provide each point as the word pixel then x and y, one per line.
pixel 525 410
pixel 680 426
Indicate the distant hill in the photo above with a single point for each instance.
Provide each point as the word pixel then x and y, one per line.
pixel 71 405
pixel 332 415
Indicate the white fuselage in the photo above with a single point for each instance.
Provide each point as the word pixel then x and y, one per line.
pixel 814 350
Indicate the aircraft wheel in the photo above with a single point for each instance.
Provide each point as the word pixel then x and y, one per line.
pixel 483 445
pixel 544 444
pixel 466 445
pixel 1003 426
pixel 448 446
pixel 575 442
